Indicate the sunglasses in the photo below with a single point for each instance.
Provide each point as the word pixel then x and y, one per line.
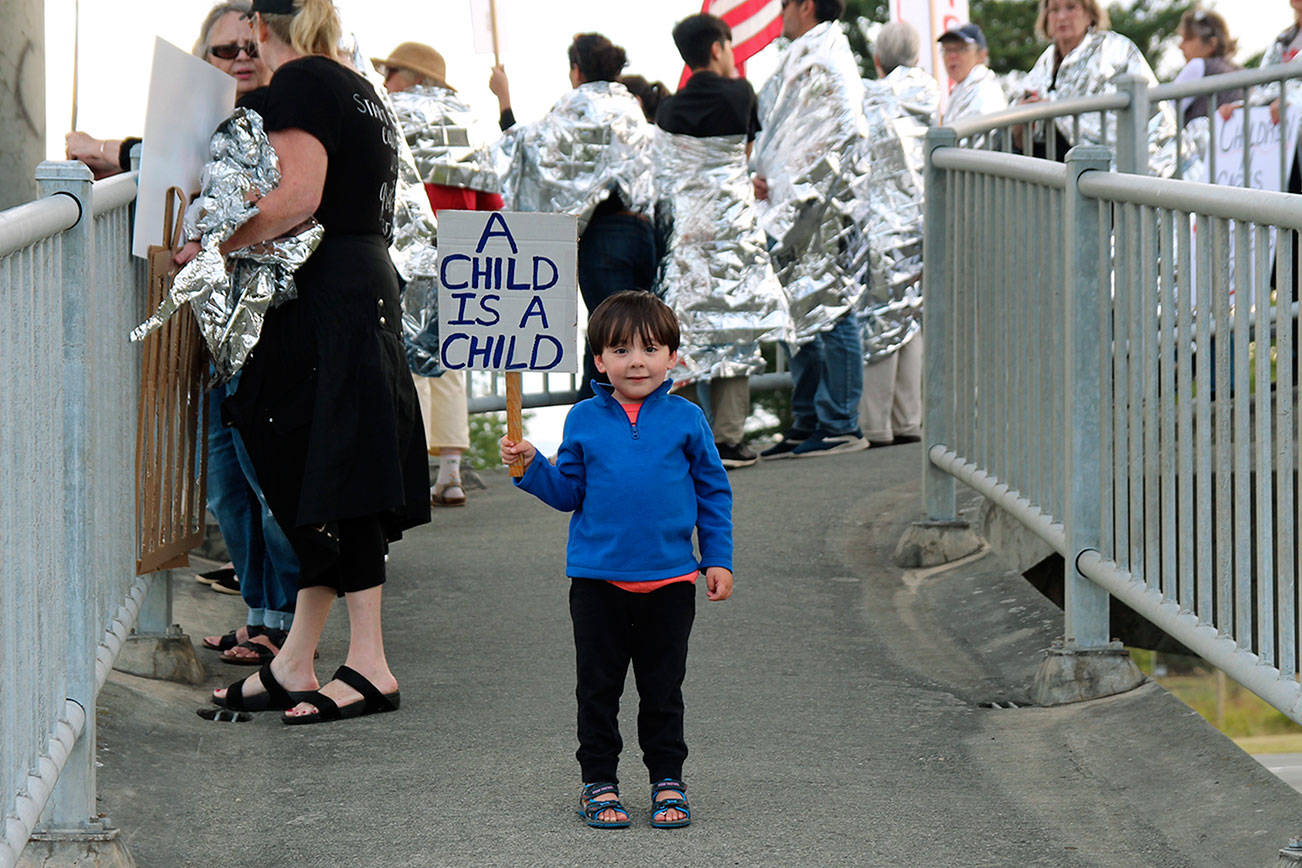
pixel 231 50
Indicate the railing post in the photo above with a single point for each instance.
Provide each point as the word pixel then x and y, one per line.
pixel 938 350
pixel 943 537
pixel 1132 126
pixel 71 815
pixel 1084 664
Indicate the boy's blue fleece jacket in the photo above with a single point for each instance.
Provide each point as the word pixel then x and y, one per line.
pixel 637 491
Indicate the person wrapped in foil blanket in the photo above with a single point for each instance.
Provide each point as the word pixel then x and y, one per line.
pixel 899 109
pixel 595 140
pixel 811 153
pixel 715 273
pixel 231 307
pixel 1091 68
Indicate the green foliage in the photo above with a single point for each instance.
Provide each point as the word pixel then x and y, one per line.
pixel 485 430
pixel 1009 26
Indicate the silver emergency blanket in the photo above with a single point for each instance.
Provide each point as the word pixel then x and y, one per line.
pixel 231 307
pixel 811 152
pixel 978 94
pixel 593 142
pixel 1269 92
pixel 413 247
pixel 1093 68
pixel 898 108
pixel 715 272
pixel 444 138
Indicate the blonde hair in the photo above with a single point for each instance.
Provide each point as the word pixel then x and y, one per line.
pixel 1098 17
pixel 314 28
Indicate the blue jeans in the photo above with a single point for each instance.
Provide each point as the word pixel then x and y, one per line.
pixel 827 379
pixel 617 252
pixel 263 557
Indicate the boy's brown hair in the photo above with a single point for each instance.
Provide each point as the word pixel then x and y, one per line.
pixel 632 312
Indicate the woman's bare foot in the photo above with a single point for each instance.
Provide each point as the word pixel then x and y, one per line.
pixel 292 679
pixel 344 695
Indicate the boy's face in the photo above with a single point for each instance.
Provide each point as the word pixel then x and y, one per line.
pixel 635 369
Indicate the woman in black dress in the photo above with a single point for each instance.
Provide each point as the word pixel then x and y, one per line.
pixel 325 404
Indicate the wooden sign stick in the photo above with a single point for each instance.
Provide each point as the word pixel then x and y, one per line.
pixel 497 58
pixel 514 421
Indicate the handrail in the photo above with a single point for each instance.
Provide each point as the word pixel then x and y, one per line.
pixel 1012 166
pixel 27 224
pixel 114 192
pixel 1223 81
pixel 1213 200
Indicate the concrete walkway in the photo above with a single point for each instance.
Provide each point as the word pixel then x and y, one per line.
pixel 835 716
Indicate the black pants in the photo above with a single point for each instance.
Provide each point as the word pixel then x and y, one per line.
pixel 611 628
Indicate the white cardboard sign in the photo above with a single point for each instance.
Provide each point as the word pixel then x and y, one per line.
pixel 1263 144
pixel 508 291
pixel 188 98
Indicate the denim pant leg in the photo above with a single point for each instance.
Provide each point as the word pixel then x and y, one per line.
pixel 806 365
pixel 617 252
pixel 840 382
pixel 279 563
pixel 235 507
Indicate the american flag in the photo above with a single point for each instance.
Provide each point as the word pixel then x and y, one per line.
pixel 754 23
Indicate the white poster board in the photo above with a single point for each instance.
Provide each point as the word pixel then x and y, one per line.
pixel 508 291
pixel 932 18
pixel 481 24
pixel 1262 143
pixel 188 98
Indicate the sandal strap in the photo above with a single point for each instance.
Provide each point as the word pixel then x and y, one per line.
pixel 371 695
pixel 668 784
pixel 277 696
pixel 326 708
pixel 598 788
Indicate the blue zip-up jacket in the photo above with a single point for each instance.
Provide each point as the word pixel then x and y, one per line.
pixel 637 491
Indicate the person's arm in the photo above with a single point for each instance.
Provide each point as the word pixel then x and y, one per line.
pixel 500 85
pixel 303 165
pixel 560 486
pixel 100 155
pixel 713 498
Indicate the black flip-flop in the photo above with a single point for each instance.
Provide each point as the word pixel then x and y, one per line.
pixel 372 701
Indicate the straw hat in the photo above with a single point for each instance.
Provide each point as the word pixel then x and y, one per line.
pixel 419 58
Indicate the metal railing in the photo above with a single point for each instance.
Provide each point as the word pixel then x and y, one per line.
pixel 1097 380
pixel 69 382
pixel 1122 118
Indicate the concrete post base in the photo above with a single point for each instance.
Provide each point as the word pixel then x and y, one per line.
pixel 168 657
pixel 96 846
pixel 932 543
pixel 1290 856
pixel 1070 673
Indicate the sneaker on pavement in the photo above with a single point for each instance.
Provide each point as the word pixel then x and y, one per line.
pixel 739 455
pixel 823 443
pixel 784 447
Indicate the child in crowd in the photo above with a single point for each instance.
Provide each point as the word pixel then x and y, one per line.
pixel 640 472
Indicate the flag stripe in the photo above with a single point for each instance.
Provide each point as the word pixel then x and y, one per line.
pixel 758 24
pixel 754 23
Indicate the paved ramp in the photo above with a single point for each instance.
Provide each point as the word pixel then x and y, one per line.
pixel 836 715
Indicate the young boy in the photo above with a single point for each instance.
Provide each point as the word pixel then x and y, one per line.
pixel 639 470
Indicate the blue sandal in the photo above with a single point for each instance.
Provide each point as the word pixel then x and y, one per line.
pixel 659 808
pixel 590 809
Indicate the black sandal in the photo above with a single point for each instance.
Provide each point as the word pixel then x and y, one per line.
pixel 264 653
pixel 276 698
pixel 372 701
pixel 231 639
pixel 670 803
pixel 590 808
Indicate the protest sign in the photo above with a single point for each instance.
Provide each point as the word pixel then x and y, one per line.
pixel 1261 141
pixel 508 296
pixel 188 98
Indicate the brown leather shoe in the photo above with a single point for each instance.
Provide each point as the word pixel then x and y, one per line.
pixel 448 494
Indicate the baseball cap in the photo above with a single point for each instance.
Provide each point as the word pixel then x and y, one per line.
pixel 968 33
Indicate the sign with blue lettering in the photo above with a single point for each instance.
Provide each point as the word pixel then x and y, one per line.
pixel 508 291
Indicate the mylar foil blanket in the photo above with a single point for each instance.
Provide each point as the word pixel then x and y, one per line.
pixel 899 109
pixel 978 94
pixel 413 245
pixel 1267 93
pixel 1092 68
pixel 445 139
pixel 715 272
pixel 231 307
pixel 811 153
pixel 593 142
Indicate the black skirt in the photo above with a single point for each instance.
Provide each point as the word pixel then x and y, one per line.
pixel 326 406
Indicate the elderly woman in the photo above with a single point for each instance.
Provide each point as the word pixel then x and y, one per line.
pixel 976 91
pixel 226 42
pixel 590 156
pixel 325 405
pixel 1087 59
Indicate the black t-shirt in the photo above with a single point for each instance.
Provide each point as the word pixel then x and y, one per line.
pixel 340 109
pixel 711 105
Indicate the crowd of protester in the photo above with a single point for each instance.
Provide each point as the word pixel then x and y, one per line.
pixel 700 198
